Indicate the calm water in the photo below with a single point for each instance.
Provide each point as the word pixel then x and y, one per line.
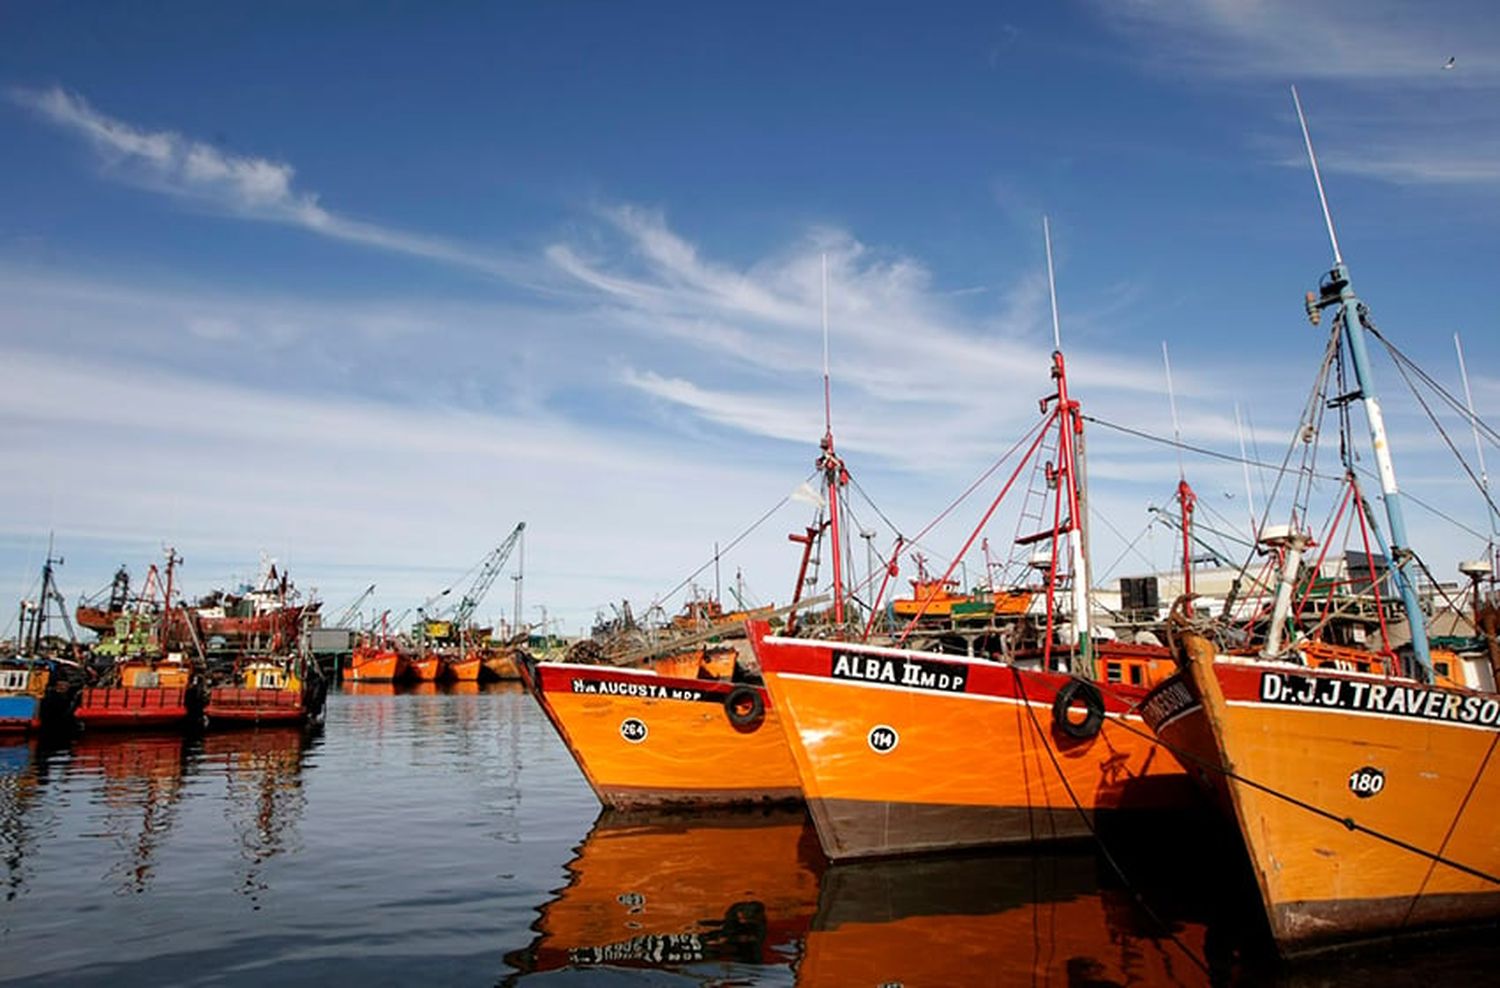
pixel 437 838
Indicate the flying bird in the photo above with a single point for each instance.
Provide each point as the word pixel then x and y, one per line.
pixel 1452 61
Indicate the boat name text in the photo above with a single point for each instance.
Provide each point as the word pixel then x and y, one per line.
pixel 1391 699
pixel 922 674
pixel 646 691
pixel 1166 703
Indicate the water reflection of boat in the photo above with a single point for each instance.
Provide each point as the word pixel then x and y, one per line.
pixel 142 787
pixel 19 784
pixel 993 919
pixel 262 770
pixel 667 892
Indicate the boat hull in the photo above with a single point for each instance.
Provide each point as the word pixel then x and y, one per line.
pixel 973 758
pixel 375 667
pixel 133 706
pixel 464 670
pixel 20 712
pixel 1345 787
pixel 502 666
pixel 427 669
pixel 644 740
pixel 229 705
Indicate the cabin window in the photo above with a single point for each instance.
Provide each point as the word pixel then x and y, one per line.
pixel 147 680
pixel 1112 672
pixel 268 680
pixel 1135 675
pixel 1441 667
pixel 13 679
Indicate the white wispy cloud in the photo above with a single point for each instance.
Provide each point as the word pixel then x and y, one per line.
pixel 248 187
pixel 1374 74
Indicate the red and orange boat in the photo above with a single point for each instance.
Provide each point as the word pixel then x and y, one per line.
pixel 647 740
pixel 903 750
pixel 144 692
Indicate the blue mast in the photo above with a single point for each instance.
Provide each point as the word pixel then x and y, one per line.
pixel 1336 289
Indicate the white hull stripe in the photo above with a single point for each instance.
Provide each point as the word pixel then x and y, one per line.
pixel 945 694
pixel 1341 712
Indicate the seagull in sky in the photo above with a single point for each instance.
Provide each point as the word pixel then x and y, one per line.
pixel 1452 61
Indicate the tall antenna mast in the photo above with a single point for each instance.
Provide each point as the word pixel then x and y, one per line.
pixel 1172 400
pixel 1239 430
pixel 827 385
pixel 1338 257
pixel 1186 500
pixel 834 474
pixel 1484 476
pixel 1051 285
pixel 1070 457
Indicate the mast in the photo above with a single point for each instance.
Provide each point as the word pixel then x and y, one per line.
pixel 1069 455
pixel 1336 290
pixel 834 474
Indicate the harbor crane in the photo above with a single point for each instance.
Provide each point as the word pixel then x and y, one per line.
pixel 468 604
pixel 352 610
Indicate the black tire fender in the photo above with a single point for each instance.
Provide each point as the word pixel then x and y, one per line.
pixel 745 707
pixel 1075 691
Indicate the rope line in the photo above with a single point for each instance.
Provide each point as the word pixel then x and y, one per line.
pixel 1088 823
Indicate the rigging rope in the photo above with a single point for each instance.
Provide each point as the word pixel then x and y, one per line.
pixel 1348 823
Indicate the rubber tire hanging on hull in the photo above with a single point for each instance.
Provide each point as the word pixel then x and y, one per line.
pixel 1093 704
pixel 745 708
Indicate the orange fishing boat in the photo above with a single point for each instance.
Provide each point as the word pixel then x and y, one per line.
pixel 463 668
pixel 372 664
pixel 668 891
pixel 427 667
pixel 648 740
pixel 902 750
pixel 1366 797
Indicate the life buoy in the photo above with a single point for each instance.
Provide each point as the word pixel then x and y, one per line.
pixel 1093 704
pixel 744 707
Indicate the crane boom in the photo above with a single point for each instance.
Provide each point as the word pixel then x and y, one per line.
pixel 353 609
pixel 490 569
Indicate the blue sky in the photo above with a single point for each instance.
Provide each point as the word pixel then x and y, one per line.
pixel 363 287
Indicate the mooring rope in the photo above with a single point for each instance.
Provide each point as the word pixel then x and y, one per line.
pixel 1349 823
pixel 1114 865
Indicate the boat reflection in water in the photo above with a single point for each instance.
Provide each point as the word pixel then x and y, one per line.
pixel 20 781
pixel 264 799
pixel 141 787
pixel 735 896
pixel 997 919
pixel 681 893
